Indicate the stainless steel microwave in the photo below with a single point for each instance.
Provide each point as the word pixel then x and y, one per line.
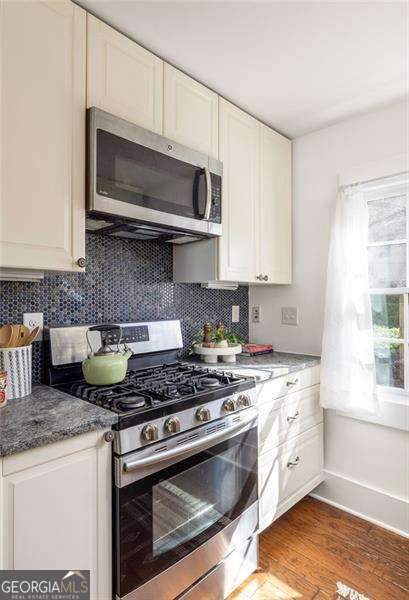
pixel 144 186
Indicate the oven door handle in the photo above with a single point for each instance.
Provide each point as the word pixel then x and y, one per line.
pixel 132 465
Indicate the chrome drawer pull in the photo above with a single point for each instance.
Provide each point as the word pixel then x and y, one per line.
pixel 293 463
pixel 290 383
pixel 294 418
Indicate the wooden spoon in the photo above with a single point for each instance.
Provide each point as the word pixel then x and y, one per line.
pixel 31 337
pixel 23 334
pixel 13 341
pixel 6 333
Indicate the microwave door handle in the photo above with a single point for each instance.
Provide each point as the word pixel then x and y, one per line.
pixel 132 465
pixel 208 194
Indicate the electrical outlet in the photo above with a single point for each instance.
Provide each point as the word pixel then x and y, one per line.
pixel 255 311
pixel 289 315
pixel 32 320
pixel 235 313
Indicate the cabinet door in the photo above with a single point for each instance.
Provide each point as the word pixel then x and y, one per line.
pixel 274 208
pixel 55 501
pixel 239 151
pixel 190 112
pixel 43 46
pixel 123 78
pixel 57 515
pixel 288 473
pixel 300 411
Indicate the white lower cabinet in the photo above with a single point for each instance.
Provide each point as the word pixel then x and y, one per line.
pixel 290 448
pixel 298 413
pixel 56 509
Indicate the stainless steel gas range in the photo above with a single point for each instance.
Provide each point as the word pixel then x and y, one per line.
pixel 184 465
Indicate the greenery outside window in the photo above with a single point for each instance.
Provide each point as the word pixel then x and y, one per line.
pixel 388 263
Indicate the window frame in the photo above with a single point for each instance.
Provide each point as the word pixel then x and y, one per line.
pixel 402 188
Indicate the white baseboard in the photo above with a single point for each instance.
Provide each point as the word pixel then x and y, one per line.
pixel 376 506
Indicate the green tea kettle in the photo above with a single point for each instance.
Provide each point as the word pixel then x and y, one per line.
pixel 106 366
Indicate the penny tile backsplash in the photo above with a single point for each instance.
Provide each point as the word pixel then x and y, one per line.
pixel 125 280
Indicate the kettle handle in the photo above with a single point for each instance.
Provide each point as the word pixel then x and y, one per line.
pixel 102 328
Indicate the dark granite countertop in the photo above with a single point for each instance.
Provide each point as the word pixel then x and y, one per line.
pixel 266 366
pixel 47 416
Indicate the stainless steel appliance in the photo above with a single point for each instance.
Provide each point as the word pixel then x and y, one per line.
pixel 142 185
pixel 184 465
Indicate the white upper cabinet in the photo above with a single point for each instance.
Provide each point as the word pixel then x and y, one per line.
pixel 123 78
pixel 256 208
pixel 190 112
pixel 274 208
pixel 239 151
pixel 42 206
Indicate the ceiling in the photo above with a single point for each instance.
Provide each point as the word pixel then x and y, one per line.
pixel 297 66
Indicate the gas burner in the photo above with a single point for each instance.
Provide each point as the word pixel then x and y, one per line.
pixel 186 388
pixel 210 382
pixel 132 402
pixel 158 391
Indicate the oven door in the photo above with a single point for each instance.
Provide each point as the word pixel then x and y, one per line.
pixel 140 175
pixel 161 518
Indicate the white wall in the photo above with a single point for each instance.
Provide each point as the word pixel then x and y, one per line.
pixel 367 464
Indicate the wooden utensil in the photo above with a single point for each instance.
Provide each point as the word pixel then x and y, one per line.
pixel 13 342
pixel 32 336
pixel 6 333
pixel 23 333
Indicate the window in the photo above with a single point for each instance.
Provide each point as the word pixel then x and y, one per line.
pixel 388 263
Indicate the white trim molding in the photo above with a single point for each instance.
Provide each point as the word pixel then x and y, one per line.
pixel 393 410
pixel 374 505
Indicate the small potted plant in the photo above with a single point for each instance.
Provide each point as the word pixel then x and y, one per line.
pixel 220 336
pixel 215 342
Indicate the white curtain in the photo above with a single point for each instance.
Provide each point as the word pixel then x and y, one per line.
pixel 348 372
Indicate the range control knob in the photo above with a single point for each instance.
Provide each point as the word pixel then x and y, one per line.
pixel 203 414
pixel 172 425
pixel 229 405
pixel 244 401
pixel 150 433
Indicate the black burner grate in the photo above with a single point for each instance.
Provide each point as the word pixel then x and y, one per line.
pixel 147 388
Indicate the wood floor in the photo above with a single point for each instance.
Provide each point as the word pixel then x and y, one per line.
pixel 313 546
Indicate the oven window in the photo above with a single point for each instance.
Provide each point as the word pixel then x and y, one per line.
pixel 164 517
pixel 187 504
pixel 137 175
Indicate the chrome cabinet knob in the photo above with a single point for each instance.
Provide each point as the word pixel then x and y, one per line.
pixel 243 401
pixel 81 262
pixel 172 425
pixel 294 417
pixel 265 278
pixel 203 414
pixel 109 436
pixel 229 405
pixel 259 277
pixel 150 433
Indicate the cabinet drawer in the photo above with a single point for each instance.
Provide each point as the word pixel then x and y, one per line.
pixel 271 391
pixel 289 472
pixel 299 412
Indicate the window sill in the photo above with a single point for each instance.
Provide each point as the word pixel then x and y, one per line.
pixel 394 410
